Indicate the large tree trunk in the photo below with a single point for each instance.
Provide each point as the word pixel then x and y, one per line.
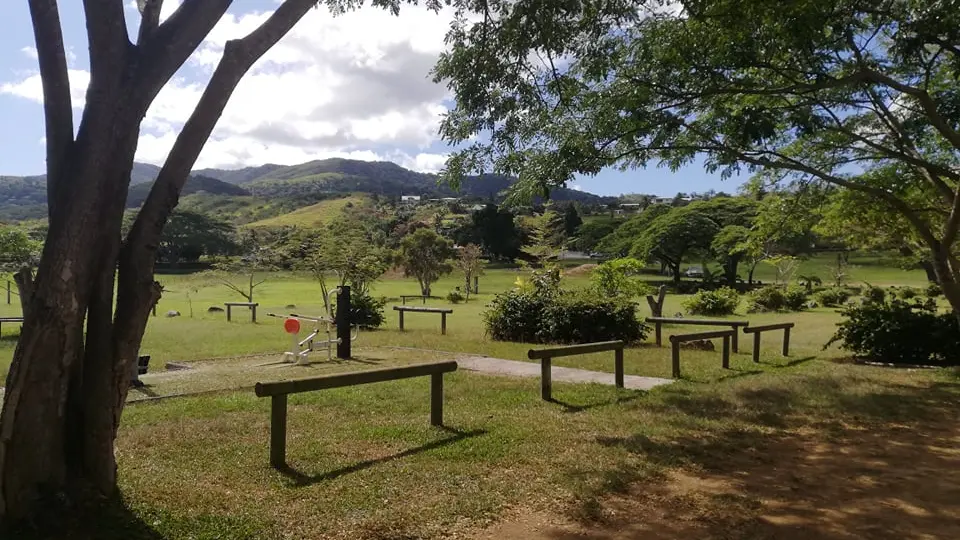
pixel 946 272
pixel 25 286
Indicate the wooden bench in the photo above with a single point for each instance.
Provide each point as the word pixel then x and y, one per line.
pixel 278 392
pixel 9 320
pixel 251 305
pixel 403 297
pixel 660 321
pixel 545 356
pixel 676 340
pixel 757 330
pixel 442 311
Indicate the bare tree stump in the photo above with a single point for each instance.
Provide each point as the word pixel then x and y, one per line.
pixel 656 306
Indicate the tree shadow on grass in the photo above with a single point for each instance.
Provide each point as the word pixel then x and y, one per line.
pixel 575 408
pixel 111 519
pixel 818 458
pixel 301 479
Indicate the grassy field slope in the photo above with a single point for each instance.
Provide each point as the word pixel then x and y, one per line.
pixel 315 215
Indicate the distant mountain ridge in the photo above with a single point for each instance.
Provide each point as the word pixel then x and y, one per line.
pixel 23 197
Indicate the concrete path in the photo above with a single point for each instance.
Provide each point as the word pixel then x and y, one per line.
pixel 496 366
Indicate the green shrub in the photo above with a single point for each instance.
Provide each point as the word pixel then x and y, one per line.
pixel 367 311
pixel 795 299
pixel 874 294
pixel 723 301
pixel 898 333
pixel 907 293
pixel 455 297
pixel 515 316
pixel 932 291
pixel 834 296
pixel 563 317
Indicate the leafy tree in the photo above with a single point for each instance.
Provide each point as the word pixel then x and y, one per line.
pixel 619 278
pixel 18 254
pixel 620 242
pixel 346 251
pixel 94 287
pixel 470 263
pixel 425 255
pixel 189 235
pixel 821 92
pixel 571 220
pixel 543 245
pixel 589 235
pixel 494 230
pixel 729 247
pixel 673 236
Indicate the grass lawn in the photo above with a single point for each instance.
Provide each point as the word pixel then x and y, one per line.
pixel 809 446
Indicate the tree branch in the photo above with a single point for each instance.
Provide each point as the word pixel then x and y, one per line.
pixel 149 20
pixel 927 103
pixel 57 106
pixel 107 38
pixel 172 42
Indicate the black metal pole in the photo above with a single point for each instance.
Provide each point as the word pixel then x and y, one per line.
pixel 343 322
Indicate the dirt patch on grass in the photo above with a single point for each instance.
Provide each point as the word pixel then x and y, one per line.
pixel 582 270
pixel 833 480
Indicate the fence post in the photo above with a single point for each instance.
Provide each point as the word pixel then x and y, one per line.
pixel 726 352
pixel 545 385
pixel 443 324
pixel 278 430
pixel 618 367
pixel 676 359
pixel 756 347
pixel 735 340
pixel 436 399
pixel 401 320
pixel 476 284
pixel 343 323
pixel 8 291
pixel 658 332
pixel 786 341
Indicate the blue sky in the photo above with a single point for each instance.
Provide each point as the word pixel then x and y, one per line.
pixel 353 86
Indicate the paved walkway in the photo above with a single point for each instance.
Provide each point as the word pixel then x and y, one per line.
pixel 496 366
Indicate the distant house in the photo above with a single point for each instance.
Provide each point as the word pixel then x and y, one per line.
pixel 410 199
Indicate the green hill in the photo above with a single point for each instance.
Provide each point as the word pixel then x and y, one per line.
pixel 315 215
pixel 195 184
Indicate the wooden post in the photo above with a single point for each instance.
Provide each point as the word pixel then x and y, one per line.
pixel 659 333
pixel 423 299
pixel 253 316
pixel 476 285
pixel 343 323
pixel 8 291
pixel 756 348
pixel 676 359
pixel 735 340
pixel 403 300
pixel 278 431
pixel 401 320
pixel 786 341
pixel 726 352
pixel 436 399
pixel 228 312
pixel 545 383
pixel 618 367
pixel 443 323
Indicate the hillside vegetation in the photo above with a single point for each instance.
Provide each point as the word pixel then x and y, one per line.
pixel 313 216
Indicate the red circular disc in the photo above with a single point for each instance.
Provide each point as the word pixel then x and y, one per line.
pixel 292 326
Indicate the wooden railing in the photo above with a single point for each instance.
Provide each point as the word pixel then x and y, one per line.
pixel 660 321
pixel 757 330
pixel 676 340
pixel 278 392
pixel 413 309
pixel 545 356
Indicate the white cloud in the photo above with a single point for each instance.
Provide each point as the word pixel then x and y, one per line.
pixel 354 86
pixel 576 187
pixel 32 87
pixel 333 87
pixel 31 52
